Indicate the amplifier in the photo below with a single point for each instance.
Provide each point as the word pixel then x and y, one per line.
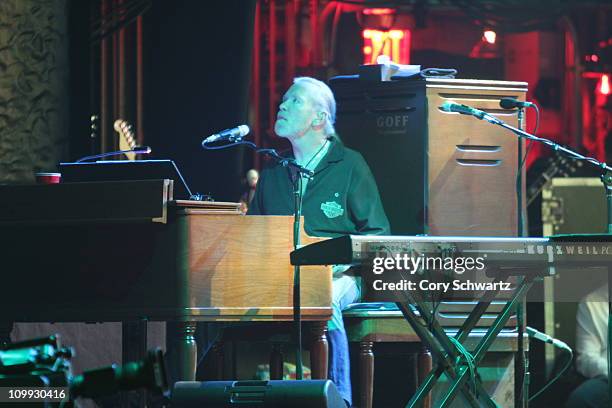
pixel 574 205
pixel 569 206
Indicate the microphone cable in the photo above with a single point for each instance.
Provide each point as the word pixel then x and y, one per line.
pixel 230 144
pixel 137 150
pixel 559 344
pixel 529 142
pixel 529 145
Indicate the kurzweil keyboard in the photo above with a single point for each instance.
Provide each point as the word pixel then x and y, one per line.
pixel 581 249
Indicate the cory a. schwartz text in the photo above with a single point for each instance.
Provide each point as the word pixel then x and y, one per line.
pixel 425 285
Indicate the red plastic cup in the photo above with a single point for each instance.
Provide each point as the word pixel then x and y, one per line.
pixel 48 178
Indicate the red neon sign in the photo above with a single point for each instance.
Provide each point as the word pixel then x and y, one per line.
pixel 393 43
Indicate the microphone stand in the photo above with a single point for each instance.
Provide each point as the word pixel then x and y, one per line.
pixel 300 171
pixel 519 187
pixel 606 179
pixel 520 310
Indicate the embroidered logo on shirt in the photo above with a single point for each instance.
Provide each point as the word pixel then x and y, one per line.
pixel 332 209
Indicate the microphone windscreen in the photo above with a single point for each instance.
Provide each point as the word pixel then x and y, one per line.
pixel 142 149
pixel 447 106
pixel 243 130
pixel 508 103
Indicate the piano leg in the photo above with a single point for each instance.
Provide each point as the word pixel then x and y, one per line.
pixel 276 362
pixel 424 366
pixel 187 351
pixel 5 332
pixel 366 374
pixel 218 351
pixel 134 348
pixel 319 351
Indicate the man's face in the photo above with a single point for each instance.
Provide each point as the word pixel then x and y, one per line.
pixel 296 113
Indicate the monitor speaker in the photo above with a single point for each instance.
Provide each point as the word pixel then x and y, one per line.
pixel 268 394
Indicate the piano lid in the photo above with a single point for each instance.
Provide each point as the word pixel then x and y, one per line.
pixel 122 170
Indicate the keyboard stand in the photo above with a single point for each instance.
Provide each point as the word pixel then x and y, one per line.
pixel 447 357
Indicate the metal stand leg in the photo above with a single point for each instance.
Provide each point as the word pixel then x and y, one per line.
pixel 435 337
pixel 446 354
pixel 607 182
pixel 488 338
pixel 445 360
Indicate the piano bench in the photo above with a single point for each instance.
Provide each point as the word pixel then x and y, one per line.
pixel 276 334
pixel 369 323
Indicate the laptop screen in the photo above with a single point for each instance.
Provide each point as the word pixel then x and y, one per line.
pixel 118 170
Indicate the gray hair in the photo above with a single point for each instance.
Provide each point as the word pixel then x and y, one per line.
pixel 323 99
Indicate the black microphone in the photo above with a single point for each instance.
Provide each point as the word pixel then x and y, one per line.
pixel 463 109
pixel 511 103
pixel 543 337
pixel 137 149
pixel 233 135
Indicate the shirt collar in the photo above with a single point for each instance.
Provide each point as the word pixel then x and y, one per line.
pixel 334 154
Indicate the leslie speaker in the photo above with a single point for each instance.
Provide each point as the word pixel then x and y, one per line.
pixel 438 173
pixel 265 394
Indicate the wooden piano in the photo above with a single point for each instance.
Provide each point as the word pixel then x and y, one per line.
pixel 126 251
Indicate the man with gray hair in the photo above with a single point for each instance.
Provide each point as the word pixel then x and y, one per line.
pixel 341 198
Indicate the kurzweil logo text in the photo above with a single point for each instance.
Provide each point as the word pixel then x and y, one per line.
pixel 570 249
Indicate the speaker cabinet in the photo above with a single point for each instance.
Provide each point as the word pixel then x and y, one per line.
pixel 438 173
pixel 268 394
pixel 564 204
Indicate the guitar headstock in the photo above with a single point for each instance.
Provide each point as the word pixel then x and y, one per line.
pixel 126 137
pixel 558 165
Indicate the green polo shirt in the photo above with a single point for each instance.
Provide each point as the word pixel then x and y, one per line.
pixel 342 197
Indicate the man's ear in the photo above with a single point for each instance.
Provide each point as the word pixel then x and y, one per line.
pixel 319 119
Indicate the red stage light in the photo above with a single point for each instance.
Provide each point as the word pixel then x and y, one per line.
pixel 604 85
pixel 486 46
pixel 378 11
